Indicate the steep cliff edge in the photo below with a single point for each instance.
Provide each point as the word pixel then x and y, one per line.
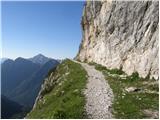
pixel 123 35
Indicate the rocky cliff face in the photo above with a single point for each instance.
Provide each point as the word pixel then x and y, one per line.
pixel 121 34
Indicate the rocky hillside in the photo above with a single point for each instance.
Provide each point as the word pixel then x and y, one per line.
pixel 61 95
pixel 122 35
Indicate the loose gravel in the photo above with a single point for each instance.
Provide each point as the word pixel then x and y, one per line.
pixel 99 95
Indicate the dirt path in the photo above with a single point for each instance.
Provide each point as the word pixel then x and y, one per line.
pixel 99 95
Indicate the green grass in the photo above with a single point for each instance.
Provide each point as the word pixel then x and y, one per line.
pixel 63 97
pixel 111 71
pixel 128 105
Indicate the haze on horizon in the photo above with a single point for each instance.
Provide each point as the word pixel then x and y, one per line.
pixel 50 28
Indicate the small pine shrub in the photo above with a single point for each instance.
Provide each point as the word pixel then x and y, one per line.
pixel 133 77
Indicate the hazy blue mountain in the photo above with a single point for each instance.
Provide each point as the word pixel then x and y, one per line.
pixel 27 91
pixel 9 109
pixel 22 78
pixel 13 73
pixel 39 59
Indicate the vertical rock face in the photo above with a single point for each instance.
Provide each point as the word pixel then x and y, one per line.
pixel 121 34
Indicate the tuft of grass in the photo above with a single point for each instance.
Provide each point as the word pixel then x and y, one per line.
pixel 128 105
pixel 65 98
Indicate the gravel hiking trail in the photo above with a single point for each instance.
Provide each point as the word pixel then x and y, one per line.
pixel 99 95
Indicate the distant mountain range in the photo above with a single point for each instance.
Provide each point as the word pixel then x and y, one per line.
pixel 22 78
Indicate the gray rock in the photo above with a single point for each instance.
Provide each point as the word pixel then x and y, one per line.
pixel 121 34
pixel 132 89
pixel 152 114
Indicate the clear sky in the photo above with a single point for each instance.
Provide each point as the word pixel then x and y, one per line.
pixel 50 28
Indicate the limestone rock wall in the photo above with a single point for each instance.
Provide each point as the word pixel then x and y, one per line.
pixel 122 34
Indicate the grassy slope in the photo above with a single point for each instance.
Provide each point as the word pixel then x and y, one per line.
pixel 131 104
pixel 63 97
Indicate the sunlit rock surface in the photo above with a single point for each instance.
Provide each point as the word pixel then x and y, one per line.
pixel 121 34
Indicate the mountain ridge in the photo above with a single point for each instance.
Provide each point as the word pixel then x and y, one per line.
pixel 21 79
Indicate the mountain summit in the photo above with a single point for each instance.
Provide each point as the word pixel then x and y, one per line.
pixel 40 59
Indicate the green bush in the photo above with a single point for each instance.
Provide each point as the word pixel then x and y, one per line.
pixel 134 77
pixel 116 71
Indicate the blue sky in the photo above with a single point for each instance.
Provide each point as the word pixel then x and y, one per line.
pixel 50 28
